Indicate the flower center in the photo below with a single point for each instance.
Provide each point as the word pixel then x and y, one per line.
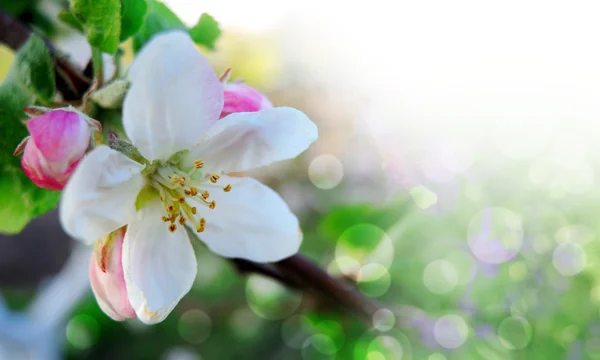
pixel 176 187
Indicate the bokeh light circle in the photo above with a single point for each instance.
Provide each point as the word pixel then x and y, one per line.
pixel 423 197
pixel 384 320
pixel 295 331
pixel 319 347
pixel 82 331
pixel 515 332
pixel 373 280
pixel 569 258
pixel 362 244
pixel 464 265
pixel 450 331
pixel 325 171
pixel 495 235
pixel 194 326
pixel 385 347
pixel 436 356
pixel 391 345
pixel 180 353
pixel 440 277
pixel 245 324
pixel 270 300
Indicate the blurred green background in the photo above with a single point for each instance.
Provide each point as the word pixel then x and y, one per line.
pixel 476 249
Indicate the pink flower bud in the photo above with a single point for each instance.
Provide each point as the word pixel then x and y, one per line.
pixel 58 140
pixel 107 277
pixel 243 98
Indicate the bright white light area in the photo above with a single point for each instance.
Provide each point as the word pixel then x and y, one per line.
pixel 511 74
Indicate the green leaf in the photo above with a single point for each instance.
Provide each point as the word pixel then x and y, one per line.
pixel 206 31
pixel 101 20
pixel 133 13
pixel 17 8
pixel 70 19
pixel 22 200
pixel 31 77
pixel 147 194
pixel 159 19
pixel 33 69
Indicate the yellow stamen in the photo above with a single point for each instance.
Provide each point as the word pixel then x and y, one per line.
pixel 193 191
pixel 198 164
pixel 212 204
pixel 227 188
pixel 187 192
pixel 181 199
pixel 205 194
pixel 202 221
pixel 172 227
pixel 214 178
pixel 194 210
pixel 181 220
pixel 200 229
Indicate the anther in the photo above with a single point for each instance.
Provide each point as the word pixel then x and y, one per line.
pixel 198 164
pixel 181 199
pixel 194 210
pixel 193 191
pixel 227 188
pixel 165 219
pixel 181 220
pixel 187 192
pixel 174 179
pixel 205 194
pixel 200 229
pixel 172 227
pixel 202 222
pixel 214 178
pixel 173 218
pixel 170 208
pixel 212 204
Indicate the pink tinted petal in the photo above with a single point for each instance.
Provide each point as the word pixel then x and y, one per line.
pixel 107 277
pixel 58 140
pixel 43 174
pixel 99 293
pixel 243 98
pixel 62 136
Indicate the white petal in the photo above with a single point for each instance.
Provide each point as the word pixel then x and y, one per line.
pixel 100 195
pixel 244 141
pixel 250 222
pixel 159 266
pixel 174 96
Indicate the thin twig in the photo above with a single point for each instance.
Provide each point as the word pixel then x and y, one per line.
pixel 339 290
pixel 69 81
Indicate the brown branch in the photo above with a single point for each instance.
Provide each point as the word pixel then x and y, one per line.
pixel 299 273
pixel 339 290
pixel 69 81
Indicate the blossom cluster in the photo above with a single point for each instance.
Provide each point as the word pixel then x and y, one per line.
pixel 189 132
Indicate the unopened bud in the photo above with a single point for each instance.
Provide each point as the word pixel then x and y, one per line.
pixel 58 140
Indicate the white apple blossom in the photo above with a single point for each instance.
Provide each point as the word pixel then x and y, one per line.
pixel 171 114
